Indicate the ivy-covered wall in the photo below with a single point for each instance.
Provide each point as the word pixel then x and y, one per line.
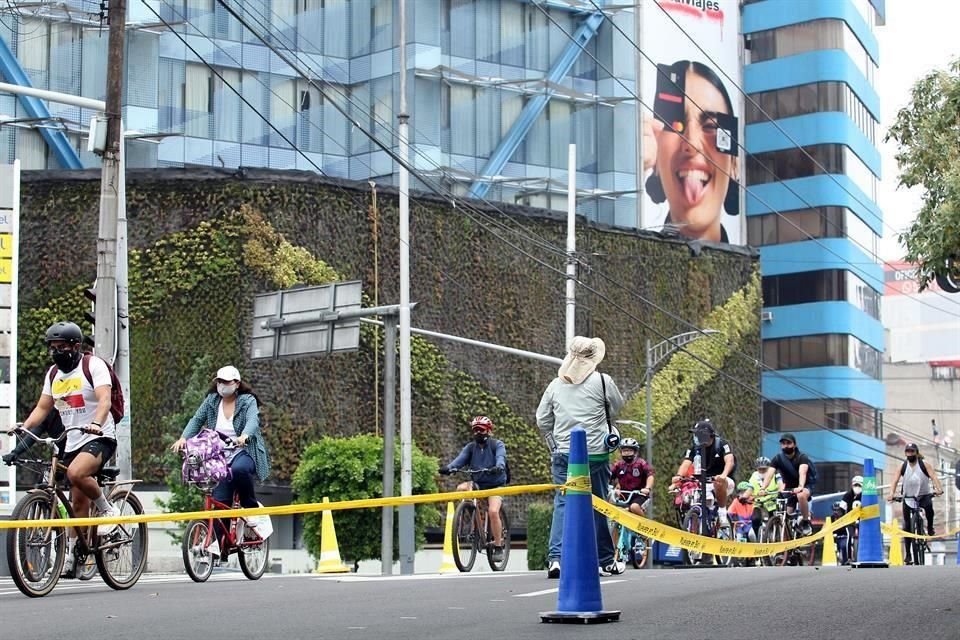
pixel 203 242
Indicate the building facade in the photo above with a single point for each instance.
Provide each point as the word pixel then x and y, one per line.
pixel 812 66
pixel 497 91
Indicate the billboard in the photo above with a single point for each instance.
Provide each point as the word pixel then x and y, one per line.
pixel 691 154
pixel 9 235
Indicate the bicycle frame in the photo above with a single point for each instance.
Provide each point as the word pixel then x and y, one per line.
pixel 231 544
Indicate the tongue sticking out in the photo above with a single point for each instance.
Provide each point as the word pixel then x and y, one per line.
pixel 693 189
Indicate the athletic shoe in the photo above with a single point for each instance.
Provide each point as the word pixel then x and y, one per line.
pixel 110 512
pixel 613 569
pixel 553 573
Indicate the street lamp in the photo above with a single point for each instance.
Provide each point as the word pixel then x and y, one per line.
pixel 655 355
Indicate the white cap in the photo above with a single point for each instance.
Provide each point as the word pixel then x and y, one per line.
pixel 228 372
pixel 583 356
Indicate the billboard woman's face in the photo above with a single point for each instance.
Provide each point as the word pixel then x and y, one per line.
pixel 694 174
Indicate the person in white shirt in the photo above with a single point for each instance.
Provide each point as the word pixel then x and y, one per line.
pixel 83 401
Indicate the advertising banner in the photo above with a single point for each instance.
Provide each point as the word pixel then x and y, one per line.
pixel 691 154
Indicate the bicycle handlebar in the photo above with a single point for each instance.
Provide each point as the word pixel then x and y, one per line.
pixel 917 497
pixel 52 441
pixel 471 471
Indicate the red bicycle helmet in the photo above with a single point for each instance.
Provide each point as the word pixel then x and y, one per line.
pixel 482 423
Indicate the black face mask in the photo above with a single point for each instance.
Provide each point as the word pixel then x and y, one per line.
pixel 789 450
pixel 912 458
pixel 480 438
pixel 743 500
pixel 629 459
pixel 66 359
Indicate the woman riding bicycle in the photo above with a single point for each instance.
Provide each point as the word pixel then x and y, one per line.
pixel 484 452
pixel 232 410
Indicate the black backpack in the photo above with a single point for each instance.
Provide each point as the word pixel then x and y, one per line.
pixel 923 467
pixel 116 391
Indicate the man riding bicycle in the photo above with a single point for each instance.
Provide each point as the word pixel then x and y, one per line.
pixel 798 476
pixel 484 452
pixel 633 473
pixel 917 474
pixel 82 400
pixel 716 459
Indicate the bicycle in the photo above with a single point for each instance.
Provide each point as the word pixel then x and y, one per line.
pixel 630 544
pixel 240 537
pixel 784 527
pixel 471 527
pixel 697 514
pixel 36 555
pixel 846 540
pixel 916 548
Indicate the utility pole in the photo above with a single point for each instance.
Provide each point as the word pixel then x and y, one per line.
pixel 406 534
pixel 571 306
pixel 111 190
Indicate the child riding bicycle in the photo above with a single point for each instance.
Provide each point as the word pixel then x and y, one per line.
pixel 484 452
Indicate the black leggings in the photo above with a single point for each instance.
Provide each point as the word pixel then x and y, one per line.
pixel 926 503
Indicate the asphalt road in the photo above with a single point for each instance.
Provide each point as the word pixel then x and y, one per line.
pixel 693 604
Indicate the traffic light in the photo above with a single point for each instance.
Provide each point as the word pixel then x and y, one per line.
pixel 90 316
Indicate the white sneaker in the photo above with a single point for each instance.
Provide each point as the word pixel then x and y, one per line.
pixel 553 573
pixel 107 529
pixel 68 565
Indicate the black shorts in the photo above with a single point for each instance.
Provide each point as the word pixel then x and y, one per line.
pixel 637 499
pixel 103 447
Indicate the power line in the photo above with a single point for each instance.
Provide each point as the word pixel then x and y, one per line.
pixel 599 294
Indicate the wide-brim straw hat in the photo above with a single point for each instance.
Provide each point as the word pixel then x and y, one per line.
pixel 583 356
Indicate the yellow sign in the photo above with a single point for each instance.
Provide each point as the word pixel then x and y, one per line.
pixel 6 245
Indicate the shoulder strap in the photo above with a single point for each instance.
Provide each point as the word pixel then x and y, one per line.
pixel 53 374
pixel 85 364
pixel 606 404
pixel 903 468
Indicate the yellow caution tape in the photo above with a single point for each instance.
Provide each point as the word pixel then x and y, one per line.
pixel 284 510
pixel 578 483
pixel 894 531
pixel 714 546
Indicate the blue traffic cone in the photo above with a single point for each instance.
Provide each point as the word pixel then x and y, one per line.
pixel 870 550
pixel 579 600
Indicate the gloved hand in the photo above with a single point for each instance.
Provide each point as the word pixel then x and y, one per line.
pixel 498 469
pixel 9 458
pixel 444 470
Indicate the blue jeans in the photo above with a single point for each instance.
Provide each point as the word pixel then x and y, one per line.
pixel 244 473
pixel 599 480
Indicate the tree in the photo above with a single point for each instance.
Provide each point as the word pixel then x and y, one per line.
pixel 352 469
pixel 927 132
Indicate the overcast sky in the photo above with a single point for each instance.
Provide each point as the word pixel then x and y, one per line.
pixel 920 35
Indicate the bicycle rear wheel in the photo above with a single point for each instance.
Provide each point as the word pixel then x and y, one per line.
pixel 122 556
pixel 723 533
pixel 254 553
pixel 465 536
pixel 505 521
pixel 35 554
pixel 197 557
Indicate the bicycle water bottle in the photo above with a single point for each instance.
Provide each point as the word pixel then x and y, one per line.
pixel 62 510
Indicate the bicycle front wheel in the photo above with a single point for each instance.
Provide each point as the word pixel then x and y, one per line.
pixel 35 554
pixel 254 553
pixel 465 536
pixel 691 524
pixel 122 555
pixel 773 533
pixel 501 564
pixel 639 551
pixel 197 557
pixel 919 546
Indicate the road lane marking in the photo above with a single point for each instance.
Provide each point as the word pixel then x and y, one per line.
pixel 544 592
pixel 419 576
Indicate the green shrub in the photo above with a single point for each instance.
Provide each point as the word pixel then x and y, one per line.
pixel 539 516
pixel 352 469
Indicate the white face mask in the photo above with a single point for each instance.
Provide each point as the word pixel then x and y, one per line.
pixel 226 390
pixel 857 490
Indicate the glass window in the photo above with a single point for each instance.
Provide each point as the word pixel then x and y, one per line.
pixel 227 105
pixel 806 224
pixel 815 35
pixel 197 100
pixel 786 164
pixel 823 350
pixel 821 285
pixel 807 415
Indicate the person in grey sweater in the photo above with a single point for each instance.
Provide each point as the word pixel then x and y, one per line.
pixel 580 396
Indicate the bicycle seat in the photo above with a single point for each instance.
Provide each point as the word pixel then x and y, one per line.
pixel 109 473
